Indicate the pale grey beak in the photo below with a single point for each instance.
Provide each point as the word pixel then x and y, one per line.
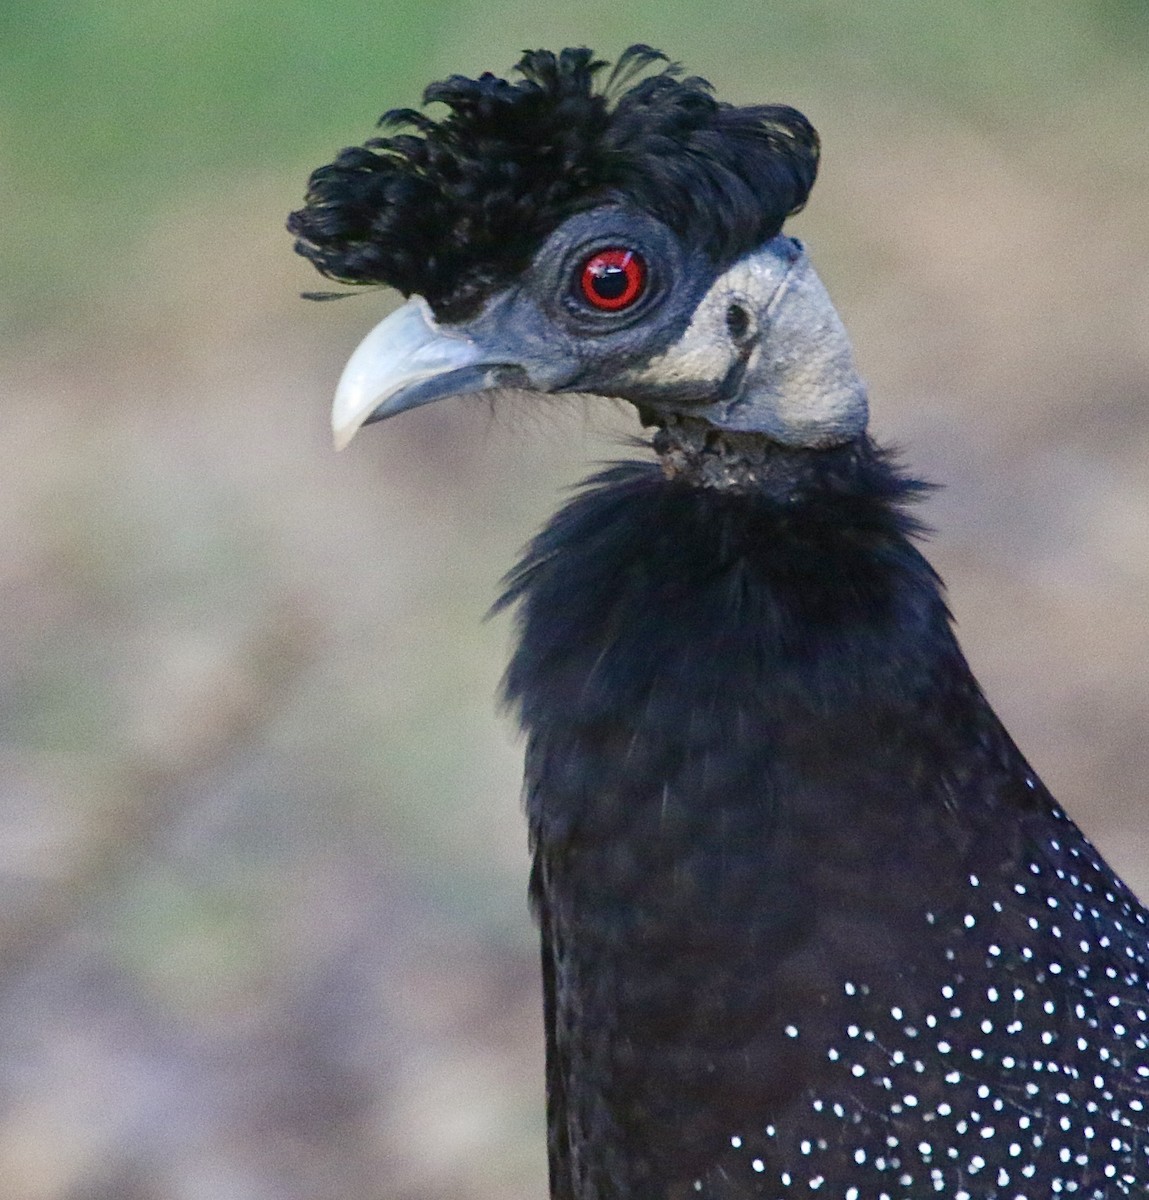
pixel 405 361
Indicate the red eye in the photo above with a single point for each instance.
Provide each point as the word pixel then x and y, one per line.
pixel 613 279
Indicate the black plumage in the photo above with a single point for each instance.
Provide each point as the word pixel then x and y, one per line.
pixel 811 925
pixel 807 913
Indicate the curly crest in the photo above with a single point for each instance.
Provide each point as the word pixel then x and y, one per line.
pixel 455 208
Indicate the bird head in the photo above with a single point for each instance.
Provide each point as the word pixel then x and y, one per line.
pixel 623 240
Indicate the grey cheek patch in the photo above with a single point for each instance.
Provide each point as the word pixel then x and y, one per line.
pixel 797 383
pixel 804 389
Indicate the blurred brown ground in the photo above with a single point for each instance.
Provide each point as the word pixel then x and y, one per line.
pixel 262 875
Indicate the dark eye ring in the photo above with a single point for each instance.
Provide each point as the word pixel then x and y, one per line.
pixel 612 279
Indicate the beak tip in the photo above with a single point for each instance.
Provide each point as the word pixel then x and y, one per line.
pixel 393 365
pixel 341 436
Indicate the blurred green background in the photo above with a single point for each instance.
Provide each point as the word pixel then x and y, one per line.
pixel 262 870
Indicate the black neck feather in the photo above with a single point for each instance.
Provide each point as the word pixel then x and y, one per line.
pixel 735 572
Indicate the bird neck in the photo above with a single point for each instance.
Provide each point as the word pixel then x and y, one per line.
pixel 693 451
pixel 737 572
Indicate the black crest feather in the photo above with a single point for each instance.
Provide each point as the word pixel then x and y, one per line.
pixel 454 208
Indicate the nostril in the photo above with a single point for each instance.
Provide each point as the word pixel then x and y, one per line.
pixel 737 321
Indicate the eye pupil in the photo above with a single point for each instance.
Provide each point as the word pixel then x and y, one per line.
pixel 610 283
pixel 613 279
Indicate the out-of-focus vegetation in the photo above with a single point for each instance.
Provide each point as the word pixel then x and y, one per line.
pixel 262 875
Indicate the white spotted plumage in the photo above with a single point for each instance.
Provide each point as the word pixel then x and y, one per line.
pixel 1025 1076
